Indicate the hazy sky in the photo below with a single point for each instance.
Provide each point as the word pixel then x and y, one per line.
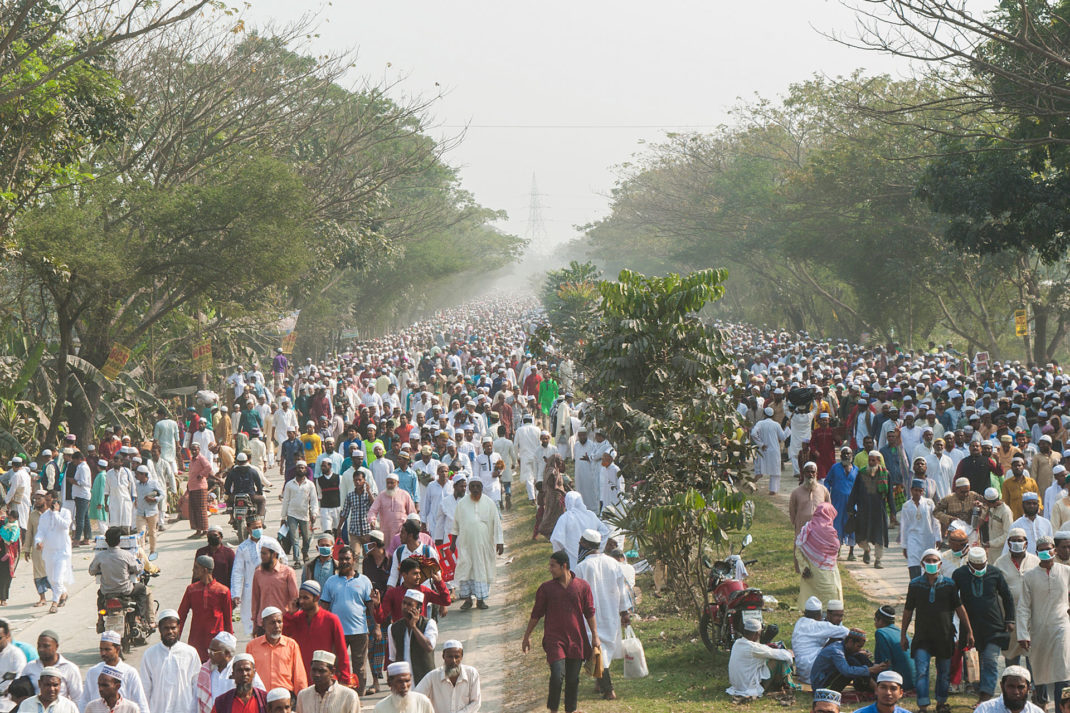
pixel 527 76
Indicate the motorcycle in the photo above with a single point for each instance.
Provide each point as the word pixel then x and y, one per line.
pixel 119 613
pixel 241 503
pixel 729 602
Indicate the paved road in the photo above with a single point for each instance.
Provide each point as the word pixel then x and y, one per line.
pixel 480 631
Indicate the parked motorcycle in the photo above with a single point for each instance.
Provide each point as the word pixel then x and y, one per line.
pixel 729 602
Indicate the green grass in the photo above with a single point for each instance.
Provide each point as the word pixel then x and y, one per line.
pixel 684 676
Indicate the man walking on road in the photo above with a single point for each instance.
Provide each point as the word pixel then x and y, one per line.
pixel 566 602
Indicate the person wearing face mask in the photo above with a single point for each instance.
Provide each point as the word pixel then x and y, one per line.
pixel 932 602
pixel 919 530
pixel 990 606
pixel 246 560
pixel 1035 526
pixel 1014 564
pixel 1043 624
pixel 223 555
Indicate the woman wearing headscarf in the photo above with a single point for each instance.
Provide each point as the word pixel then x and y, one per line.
pixel 816 548
pixel 10 535
pixel 576 518
pixel 551 499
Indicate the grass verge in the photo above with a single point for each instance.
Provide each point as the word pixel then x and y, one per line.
pixel 684 676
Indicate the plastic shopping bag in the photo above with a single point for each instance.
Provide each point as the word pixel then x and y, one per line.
pixel 634 657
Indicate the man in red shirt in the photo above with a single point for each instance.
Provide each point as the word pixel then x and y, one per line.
pixel 315 628
pixel 209 602
pixel 390 608
pixel 566 602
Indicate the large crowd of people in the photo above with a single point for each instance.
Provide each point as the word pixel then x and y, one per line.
pixel 389 467
pixel 959 462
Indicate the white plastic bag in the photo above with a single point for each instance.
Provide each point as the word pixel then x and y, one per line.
pixel 634 657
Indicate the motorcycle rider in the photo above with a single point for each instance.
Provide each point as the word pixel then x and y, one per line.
pixel 118 571
pixel 244 478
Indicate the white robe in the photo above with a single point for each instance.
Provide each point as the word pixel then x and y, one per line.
pixel 807 639
pixel 119 491
pixel 20 495
pixel 54 535
pixel 443 522
pixel 586 473
pixel 918 529
pixel 132 689
pixel 799 426
pixel 747 666
pixel 1014 576
pixel 610 486
pixel 1042 620
pixel 609 588
pixel 767 435
pixel 1039 527
pixel 571 524
pixel 246 560
pixel 940 470
pixel 478 528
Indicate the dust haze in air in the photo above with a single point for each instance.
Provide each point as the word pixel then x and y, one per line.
pixel 561 92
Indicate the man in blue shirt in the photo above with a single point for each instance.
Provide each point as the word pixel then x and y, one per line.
pixel 348 595
pixel 842 662
pixel 407 479
pixel 889 693
pixel 889 648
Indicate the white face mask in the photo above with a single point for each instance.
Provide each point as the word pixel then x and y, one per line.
pixel 1014 546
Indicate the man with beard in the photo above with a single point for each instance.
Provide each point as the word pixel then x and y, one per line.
pixel 169 668
pixel 1044 462
pixel 452 687
pixel 975 468
pixel 1014 690
pixel 325 695
pixel 402 698
pixel 391 508
pixel 313 627
pixel 244 697
pixel 110 648
pixel 220 553
pixel 806 497
pixel 208 601
pixel 1043 627
pixel 1016 485
pixel 959 505
pixel 274 583
pixel 995 524
pixel 478 529
pixel 872 500
pixel 278 657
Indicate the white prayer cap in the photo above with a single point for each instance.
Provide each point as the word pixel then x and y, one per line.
pixel 813 604
pixel 397 668
pixel 243 657
pixel 278 694
pixel 414 516
pixel 834 605
pixel 822 415
pixel 241 458
pixel 392 476
pixel 1061 535
pixel 414 594
pixel 300 462
pixel 1028 496
pixel 102 463
pixel 112 672
pixel 452 644
pixel 1020 460
pixel 809 464
pixel 768 411
pixel 226 639
pixel 962 482
pixel 17 460
pixel 269 611
pixel 1020 671
pixel 889 677
pixel 926 430
pixel 752 625
pixel 166 614
pixel 324 657
pixel 592 536
pixel 143 469
pixel 931 551
pixel 874 454
pixel 272 544
pixel 46 453
pixel 111 637
pixel 1059 469
pixel 977 555
pixel 1045 438
pixel 991 494
pixel 544 433
pixel 1016 532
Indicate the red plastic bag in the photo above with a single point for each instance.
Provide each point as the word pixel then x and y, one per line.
pixel 447 560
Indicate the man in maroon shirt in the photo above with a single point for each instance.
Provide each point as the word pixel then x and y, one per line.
pixel 390 608
pixel 566 602
pixel 315 628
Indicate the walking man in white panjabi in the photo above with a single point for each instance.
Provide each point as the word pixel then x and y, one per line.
pixel 609 587
pixel 478 528
pixel 54 541
pixel 767 435
pixel 527 445
pixel 587 467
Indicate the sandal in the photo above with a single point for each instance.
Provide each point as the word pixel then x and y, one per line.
pixel 53 609
pixel 63 600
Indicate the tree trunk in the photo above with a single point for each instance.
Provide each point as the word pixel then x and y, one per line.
pixel 66 346
pixel 1040 333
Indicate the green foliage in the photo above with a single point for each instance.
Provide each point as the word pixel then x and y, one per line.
pixel 654 369
pixel 569 295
